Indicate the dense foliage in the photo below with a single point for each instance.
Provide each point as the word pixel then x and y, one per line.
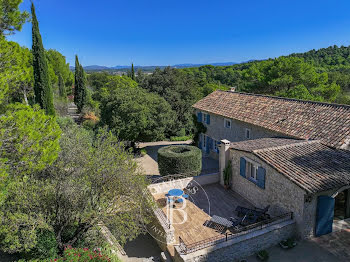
pixel 180 91
pixel 92 180
pixel 136 115
pixel 11 18
pixel 42 86
pixel 180 160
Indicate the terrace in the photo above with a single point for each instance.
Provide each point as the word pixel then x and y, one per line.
pixel 208 201
pixel 189 221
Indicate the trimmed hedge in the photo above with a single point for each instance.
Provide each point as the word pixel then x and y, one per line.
pixel 184 160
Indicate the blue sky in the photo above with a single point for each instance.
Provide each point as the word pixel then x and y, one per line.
pixel 167 32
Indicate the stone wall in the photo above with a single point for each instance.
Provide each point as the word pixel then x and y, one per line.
pixel 160 231
pixel 280 193
pixel 217 130
pixel 242 246
pixel 182 183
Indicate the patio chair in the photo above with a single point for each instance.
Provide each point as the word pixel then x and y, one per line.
pixel 185 196
pixel 241 211
pixel 179 200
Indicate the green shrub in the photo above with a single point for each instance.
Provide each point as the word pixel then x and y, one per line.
pixel 263 255
pixel 143 152
pixel 46 246
pixel 186 160
pixel 82 254
pixel 180 138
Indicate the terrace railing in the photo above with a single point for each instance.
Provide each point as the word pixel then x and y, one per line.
pixel 190 248
pixel 164 221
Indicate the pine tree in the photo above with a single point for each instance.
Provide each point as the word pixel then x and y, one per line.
pixel 61 87
pixel 42 86
pixel 132 72
pixel 79 85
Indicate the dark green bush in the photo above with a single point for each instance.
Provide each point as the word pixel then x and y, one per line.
pixel 185 160
pixel 46 247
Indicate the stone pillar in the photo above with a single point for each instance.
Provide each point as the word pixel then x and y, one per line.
pixel 224 155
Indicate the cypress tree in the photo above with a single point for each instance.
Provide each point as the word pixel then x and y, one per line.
pixel 132 72
pixel 79 85
pixel 42 86
pixel 61 87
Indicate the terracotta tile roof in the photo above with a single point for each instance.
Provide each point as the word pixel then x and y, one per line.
pixel 251 145
pixel 309 164
pixel 329 123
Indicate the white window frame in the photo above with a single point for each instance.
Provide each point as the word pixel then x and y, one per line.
pixel 248 133
pixel 227 121
pixel 251 166
pixel 215 145
pixel 205 117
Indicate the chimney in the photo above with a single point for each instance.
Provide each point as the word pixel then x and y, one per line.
pixel 233 89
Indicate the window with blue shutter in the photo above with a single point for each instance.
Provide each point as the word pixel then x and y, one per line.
pixel 261 177
pixel 242 166
pixel 199 116
pixel 208 119
pixel 217 146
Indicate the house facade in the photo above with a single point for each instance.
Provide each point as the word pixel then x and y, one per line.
pixel 289 154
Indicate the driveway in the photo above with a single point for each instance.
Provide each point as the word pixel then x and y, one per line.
pixel 149 162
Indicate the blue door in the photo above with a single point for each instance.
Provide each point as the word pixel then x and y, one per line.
pixel 324 215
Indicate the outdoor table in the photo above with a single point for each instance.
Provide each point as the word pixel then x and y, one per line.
pixel 175 192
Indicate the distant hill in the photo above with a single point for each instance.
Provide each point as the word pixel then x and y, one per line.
pixel 124 68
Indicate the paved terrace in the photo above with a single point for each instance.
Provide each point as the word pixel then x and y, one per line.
pixel 209 200
pixel 149 162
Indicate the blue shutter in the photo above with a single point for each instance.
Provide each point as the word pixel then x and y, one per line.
pixel 217 146
pixel 242 166
pixel 199 116
pixel 324 215
pixel 200 141
pixel 208 119
pixel 261 177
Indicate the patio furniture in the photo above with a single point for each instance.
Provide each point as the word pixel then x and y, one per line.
pixel 185 196
pixel 236 222
pixel 179 200
pixel 241 211
pixel 221 221
pixel 175 192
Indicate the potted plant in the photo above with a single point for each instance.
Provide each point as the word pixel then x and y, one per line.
pixel 227 175
pixel 288 243
pixel 263 255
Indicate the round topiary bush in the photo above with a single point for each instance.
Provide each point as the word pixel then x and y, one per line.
pixel 184 160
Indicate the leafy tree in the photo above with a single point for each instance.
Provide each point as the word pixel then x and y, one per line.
pixel 136 115
pixel 16 74
pixel 28 141
pixel 42 85
pixel 11 18
pixel 80 92
pixel 179 91
pixel 59 66
pixel 91 181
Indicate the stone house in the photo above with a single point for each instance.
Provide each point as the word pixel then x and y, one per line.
pixel 290 154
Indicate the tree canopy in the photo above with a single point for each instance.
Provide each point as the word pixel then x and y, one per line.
pixel 11 18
